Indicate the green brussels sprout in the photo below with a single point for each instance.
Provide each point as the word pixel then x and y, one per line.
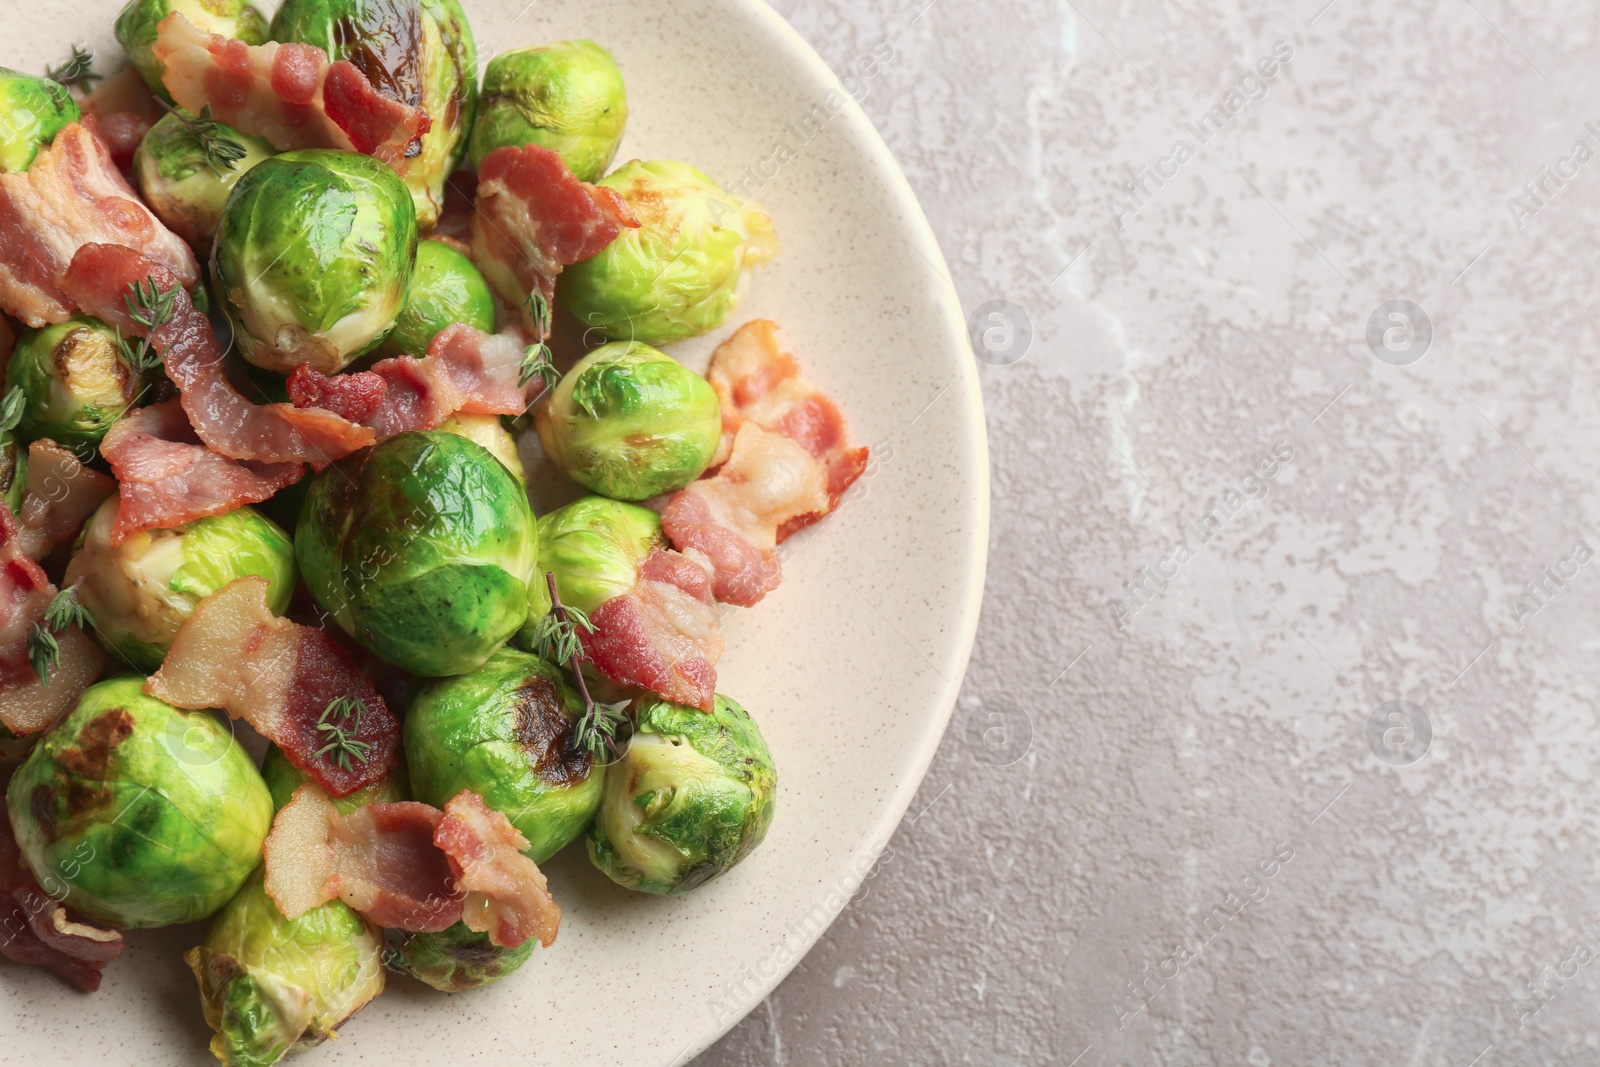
pixel 182 184
pixel 35 110
pixel 313 258
pixel 487 430
pixel 505 732
pixel 75 380
pixel 270 985
pixel 594 547
pixel 136 29
pixel 445 288
pixel 691 797
pixel 630 422
pixel 151 816
pixel 420 52
pixel 567 97
pixel 683 271
pixel 454 959
pixel 13 471
pixel 421 548
pixel 283 778
pixel 140 592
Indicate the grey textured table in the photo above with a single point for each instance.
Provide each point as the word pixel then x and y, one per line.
pixel 1279 742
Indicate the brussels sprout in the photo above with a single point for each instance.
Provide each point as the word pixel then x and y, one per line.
pixel 283 778
pixel 505 732
pixel 690 798
pixel 13 470
pixel 454 959
pixel 567 97
pixel 141 591
pixel 136 29
pixel 313 258
pixel 150 815
pixel 183 184
pixel 630 422
pixel 594 547
pixel 270 985
pixel 421 548
pixel 445 288
pixel 486 430
pixel 75 380
pixel 682 271
pixel 35 110
pixel 420 52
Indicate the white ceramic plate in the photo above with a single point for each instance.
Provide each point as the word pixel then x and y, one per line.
pixel 851 667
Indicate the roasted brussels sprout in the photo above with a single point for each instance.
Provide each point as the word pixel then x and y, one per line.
pixel 594 547
pixel 691 797
pixel 13 471
pixel 140 592
pixel 486 430
pixel 149 815
pixel 505 732
pixel 136 29
pixel 421 548
pixel 313 258
pixel 445 288
pixel 630 422
pixel 75 380
pixel 35 110
pixel 567 97
pixel 184 184
pixel 454 959
pixel 682 271
pixel 283 778
pixel 418 51
pixel 270 985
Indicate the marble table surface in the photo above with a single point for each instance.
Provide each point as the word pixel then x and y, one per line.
pixel 1279 744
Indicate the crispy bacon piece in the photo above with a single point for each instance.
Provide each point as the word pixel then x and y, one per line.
pixel 663 634
pixel 61 493
pixel 506 893
pixel 288 93
pixel 26 706
pixel 534 218
pixel 73 195
pixel 280 677
pixel 732 518
pixel 465 370
pixel 227 422
pixel 166 477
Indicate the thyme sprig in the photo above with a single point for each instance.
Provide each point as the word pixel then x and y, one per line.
pixel 64 612
pixel 151 307
pixel 556 637
pixel 341 721
pixel 536 359
pixel 77 71
pixel 222 153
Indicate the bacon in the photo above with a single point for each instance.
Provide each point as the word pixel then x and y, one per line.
pixel 663 634
pixel 72 196
pixel 534 218
pixel 61 493
pixel 166 477
pixel 506 893
pixel 280 677
pixel 228 423
pixel 289 94
pixel 732 518
pixel 465 370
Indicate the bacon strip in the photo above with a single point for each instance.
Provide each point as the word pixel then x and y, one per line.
pixel 61 493
pixel 506 893
pixel 280 677
pixel 72 196
pixel 228 423
pixel 465 370
pixel 534 218
pixel 662 635
pixel 166 477
pixel 289 94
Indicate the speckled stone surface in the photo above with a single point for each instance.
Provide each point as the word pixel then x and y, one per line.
pixel 1184 823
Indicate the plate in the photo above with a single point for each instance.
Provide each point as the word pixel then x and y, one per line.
pixel 851 667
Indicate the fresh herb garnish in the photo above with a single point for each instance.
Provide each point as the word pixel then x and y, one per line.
pixel 78 71
pixel 151 308
pixel 222 153
pixel 341 721
pixel 11 409
pixel 536 360
pixel 556 637
pixel 44 651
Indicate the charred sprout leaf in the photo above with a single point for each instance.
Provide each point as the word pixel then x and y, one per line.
pixel 222 153
pixel 11 408
pixel 63 613
pixel 75 380
pixel 77 71
pixel 341 721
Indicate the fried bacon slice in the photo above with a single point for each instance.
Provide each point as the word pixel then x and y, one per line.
pixel 280 677
pixel 26 706
pixel 289 94
pixel 166 477
pixel 506 893
pixel 60 494
pixel 465 370
pixel 533 218
pixel 228 423
pixel 73 196
pixel 663 634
